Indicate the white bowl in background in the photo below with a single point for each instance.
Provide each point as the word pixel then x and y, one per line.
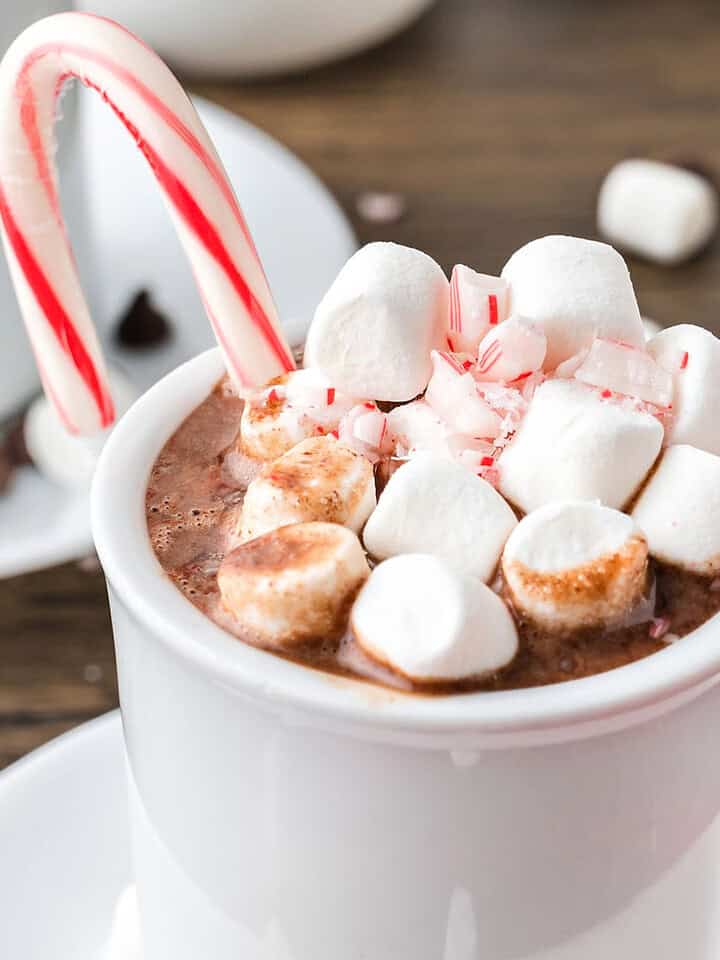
pixel 258 37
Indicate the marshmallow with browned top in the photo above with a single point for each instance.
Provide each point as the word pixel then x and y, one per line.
pixel 291 408
pixel 691 355
pixel 373 331
pixel 319 479
pixel 425 621
pixel 573 290
pixel 575 564
pixel 660 211
pixel 575 444
pixel 434 505
pixel 293 586
pixel 679 510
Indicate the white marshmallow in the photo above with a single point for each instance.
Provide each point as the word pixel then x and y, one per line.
pixel 624 369
pixel 291 408
pixel 293 586
pixel 657 210
pixel 433 505
pixel 510 351
pixel 575 445
pixel 425 621
pixel 61 457
pixel 319 479
pixel 477 303
pixel 575 564
pixel 679 510
pixel 574 290
pixel 692 356
pixel 375 327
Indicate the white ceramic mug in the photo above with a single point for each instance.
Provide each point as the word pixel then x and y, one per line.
pixel 280 813
pixel 18 374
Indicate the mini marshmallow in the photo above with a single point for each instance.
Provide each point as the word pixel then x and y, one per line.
pixel 477 303
pixel 61 457
pixel 624 369
pixel 319 479
pixel 679 510
pixel 423 620
pixel 573 290
pixel 433 505
pixel 575 564
pixel 692 356
pixel 511 351
pixel 291 408
pixel 375 327
pixel 574 444
pixel 293 586
pixel 657 210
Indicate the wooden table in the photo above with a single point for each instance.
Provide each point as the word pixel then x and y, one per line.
pixel 496 122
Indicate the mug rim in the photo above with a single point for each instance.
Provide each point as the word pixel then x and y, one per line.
pixel 134 574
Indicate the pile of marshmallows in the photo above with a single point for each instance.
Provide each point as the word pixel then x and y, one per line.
pixel 535 390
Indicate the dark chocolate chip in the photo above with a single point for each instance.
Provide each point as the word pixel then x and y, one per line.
pixel 142 325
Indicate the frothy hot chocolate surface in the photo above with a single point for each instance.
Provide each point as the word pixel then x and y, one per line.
pixel 194 504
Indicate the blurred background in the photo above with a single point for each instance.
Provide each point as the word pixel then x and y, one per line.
pixel 462 128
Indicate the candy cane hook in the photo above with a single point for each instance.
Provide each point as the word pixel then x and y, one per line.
pixel 154 108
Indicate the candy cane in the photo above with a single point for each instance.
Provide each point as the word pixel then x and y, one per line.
pixel 152 105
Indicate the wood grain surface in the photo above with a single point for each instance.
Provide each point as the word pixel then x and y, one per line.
pixel 495 122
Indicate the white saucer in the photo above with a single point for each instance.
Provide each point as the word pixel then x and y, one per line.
pixel 64 843
pixel 301 233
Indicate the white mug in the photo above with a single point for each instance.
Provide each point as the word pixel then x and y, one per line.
pixel 18 374
pixel 280 813
pixel 258 37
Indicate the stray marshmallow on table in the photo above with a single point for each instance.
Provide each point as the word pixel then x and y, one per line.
pixel 691 355
pixel 62 457
pixel 657 210
pixel 679 510
pixel 423 620
pixel 291 408
pixel 373 331
pixel 293 586
pixel 478 302
pixel 575 564
pixel 434 505
pixel 573 290
pixel 319 479
pixel 575 444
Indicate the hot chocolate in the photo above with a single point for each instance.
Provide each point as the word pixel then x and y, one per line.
pixel 526 494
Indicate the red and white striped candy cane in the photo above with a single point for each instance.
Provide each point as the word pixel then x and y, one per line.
pixel 154 108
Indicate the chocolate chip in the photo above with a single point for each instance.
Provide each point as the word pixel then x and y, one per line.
pixel 142 325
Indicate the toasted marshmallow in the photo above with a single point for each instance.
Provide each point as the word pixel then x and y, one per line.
pixel 679 510
pixel 61 457
pixel 319 479
pixel 573 290
pixel 477 303
pixel 293 586
pixel 511 351
pixel 658 210
pixel 692 356
pixel 434 505
pixel 575 564
pixel 574 444
pixel 375 327
pixel 423 620
pixel 289 409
